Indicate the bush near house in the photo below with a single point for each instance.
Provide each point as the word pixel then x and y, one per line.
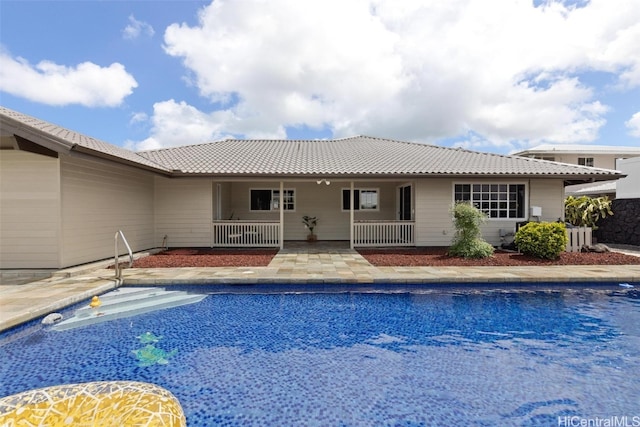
pixel 468 242
pixel 545 240
pixel 586 211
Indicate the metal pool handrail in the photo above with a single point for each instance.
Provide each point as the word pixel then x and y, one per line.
pixel 117 265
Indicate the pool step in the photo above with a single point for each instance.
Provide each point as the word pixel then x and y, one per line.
pixel 127 302
pixel 120 302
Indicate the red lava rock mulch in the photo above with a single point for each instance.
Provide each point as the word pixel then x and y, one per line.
pixel 379 257
pixel 437 257
pixel 207 258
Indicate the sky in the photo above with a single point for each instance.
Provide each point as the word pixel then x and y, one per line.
pixel 488 75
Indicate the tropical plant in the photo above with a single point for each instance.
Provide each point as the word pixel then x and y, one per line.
pixel 586 211
pixel 545 240
pixel 310 223
pixel 468 242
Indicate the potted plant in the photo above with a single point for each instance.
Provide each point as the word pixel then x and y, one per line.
pixel 310 223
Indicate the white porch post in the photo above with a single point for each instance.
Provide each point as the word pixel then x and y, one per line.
pixel 281 237
pixel 218 202
pixel 351 216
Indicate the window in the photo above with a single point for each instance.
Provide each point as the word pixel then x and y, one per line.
pixel 585 161
pixel 363 199
pixel 269 200
pixel 496 200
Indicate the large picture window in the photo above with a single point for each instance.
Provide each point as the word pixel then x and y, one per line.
pixel 269 200
pixel 364 199
pixel 496 200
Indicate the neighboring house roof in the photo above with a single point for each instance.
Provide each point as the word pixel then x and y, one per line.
pixel 591 189
pixel 359 156
pixel 580 149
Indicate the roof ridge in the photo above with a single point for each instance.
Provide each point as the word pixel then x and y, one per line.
pixel 220 141
pixel 380 138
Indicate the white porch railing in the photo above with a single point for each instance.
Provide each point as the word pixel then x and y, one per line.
pixel 578 237
pixel 246 233
pixel 384 233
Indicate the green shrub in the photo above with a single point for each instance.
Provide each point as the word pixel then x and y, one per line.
pixel 586 211
pixel 545 240
pixel 468 242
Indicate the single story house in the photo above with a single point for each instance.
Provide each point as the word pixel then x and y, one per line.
pixel 64 195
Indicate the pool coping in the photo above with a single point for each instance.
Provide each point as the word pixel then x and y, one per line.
pixel 25 302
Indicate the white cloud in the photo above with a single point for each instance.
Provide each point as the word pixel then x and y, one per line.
pixel 176 123
pixel 634 125
pixel 504 70
pixel 86 84
pixel 139 117
pixel 135 28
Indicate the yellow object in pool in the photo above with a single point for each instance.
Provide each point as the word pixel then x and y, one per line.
pixel 94 404
pixel 95 302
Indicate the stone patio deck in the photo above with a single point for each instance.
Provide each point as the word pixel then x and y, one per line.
pixel 322 264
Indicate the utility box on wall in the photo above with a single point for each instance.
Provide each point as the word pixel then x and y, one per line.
pixel 536 211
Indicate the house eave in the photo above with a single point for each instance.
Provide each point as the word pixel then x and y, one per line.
pixel 35 137
pixel 395 176
pixel 93 153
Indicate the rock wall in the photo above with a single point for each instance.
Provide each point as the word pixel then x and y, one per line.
pixel 623 227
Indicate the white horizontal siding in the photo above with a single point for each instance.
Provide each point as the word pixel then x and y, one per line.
pixel 98 199
pixel 29 210
pixel 549 195
pixel 183 211
pixel 434 198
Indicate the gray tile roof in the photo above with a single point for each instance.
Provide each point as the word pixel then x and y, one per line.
pixel 591 188
pixel 359 156
pixel 34 129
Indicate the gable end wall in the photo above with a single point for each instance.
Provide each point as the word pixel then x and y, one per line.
pixel 29 210
pixel 98 199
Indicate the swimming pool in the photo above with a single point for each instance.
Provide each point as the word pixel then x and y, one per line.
pixel 422 357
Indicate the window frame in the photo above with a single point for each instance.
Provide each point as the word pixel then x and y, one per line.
pixel 274 199
pixel 585 161
pixel 519 200
pixel 357 200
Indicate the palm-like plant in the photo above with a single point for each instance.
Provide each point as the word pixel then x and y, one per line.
pixel 586 211
pixel 310 222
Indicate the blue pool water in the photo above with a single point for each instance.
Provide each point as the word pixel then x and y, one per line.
pixel 425 357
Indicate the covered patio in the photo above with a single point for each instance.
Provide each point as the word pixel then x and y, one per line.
pixel 268 214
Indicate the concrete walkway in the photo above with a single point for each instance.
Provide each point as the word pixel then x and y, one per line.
pixel 323 264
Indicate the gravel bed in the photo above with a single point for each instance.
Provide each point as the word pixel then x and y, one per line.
pixel 377 257
pixel 438 257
